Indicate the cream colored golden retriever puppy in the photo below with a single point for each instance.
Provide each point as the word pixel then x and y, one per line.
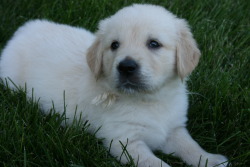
pixel 129 80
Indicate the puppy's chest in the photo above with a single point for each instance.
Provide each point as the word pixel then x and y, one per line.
pixel 150 122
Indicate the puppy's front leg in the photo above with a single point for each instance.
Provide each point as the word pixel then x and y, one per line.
pixel 182 145
pixel 140 153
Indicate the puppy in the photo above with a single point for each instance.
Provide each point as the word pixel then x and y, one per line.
pixel 129 80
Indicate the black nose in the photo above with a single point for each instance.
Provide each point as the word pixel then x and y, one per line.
pixel 127 67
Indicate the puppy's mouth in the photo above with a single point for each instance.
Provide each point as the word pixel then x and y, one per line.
pixel 130 86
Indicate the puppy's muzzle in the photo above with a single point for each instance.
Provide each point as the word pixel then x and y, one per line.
pixel 130 78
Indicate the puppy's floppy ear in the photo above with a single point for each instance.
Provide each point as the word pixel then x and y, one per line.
pixel 94 58
pixel 187 52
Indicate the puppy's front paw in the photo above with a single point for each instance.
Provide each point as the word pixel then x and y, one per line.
pixel 215 160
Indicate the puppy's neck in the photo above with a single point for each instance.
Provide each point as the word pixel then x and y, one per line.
pixel 105 99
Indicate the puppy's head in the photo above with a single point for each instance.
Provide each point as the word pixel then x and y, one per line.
pixel 141 48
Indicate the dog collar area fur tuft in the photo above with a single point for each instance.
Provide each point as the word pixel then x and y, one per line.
pixel 105 99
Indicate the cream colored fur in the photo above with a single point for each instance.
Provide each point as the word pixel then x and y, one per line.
pixel 54 58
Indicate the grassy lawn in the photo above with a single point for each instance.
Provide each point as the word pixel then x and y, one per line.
pixel 219 113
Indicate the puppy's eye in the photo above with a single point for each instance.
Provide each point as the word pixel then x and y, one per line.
pixel 152 44
pixel 114 45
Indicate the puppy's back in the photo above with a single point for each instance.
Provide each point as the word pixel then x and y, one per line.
pixel 40 44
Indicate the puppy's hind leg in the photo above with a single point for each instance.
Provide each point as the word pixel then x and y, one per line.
pixel 182 145
pixel 139 152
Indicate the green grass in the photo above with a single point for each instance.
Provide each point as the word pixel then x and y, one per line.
pixel 219 114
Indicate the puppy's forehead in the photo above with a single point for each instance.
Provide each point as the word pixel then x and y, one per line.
pixel 141 18
pixel 151 12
